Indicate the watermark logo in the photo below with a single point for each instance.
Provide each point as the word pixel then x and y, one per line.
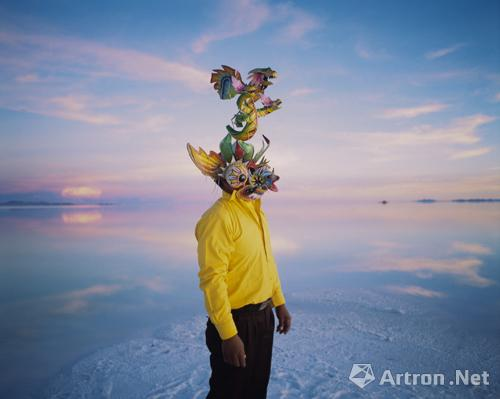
pixel 361 374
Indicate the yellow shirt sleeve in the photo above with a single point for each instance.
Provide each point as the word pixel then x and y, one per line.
pixel 215 245
pixel 278 298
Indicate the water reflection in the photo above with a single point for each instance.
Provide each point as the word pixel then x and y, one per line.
pixel 415 290
pixel 81 217
pixel 466 269
pixel 73 279
pixel 422 240
pixel 77 300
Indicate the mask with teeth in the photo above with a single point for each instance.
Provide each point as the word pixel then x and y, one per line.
pixel 250 179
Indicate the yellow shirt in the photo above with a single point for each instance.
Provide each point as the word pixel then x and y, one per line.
pixel 236 264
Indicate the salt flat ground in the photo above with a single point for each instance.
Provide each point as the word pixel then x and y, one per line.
pixel 332 329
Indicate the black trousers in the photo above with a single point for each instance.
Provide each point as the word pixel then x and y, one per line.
pixel 256 330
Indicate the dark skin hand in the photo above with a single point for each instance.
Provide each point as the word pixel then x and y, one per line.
pixel 284 319
pixel 233 351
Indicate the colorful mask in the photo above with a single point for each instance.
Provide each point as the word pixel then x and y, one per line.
pixel 244 171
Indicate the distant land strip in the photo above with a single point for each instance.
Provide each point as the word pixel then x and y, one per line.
pixel 431 200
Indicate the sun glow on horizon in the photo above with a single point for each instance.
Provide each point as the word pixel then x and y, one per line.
pixel 81 192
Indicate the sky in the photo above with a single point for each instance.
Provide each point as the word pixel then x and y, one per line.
pixel 381 100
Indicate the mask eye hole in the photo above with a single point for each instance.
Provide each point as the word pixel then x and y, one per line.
pixel 242 178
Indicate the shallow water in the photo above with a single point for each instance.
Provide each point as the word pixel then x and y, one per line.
pixel 406 286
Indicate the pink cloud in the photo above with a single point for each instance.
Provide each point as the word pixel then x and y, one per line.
pixel 94 58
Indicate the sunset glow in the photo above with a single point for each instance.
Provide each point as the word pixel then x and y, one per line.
pixel 81 192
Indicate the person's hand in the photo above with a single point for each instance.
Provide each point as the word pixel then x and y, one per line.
pixel 284 319
pixel 233 351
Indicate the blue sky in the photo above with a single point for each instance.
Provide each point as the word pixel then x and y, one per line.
pixel 394 100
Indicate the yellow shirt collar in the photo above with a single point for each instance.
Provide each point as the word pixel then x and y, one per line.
pixel 231 197
pixel 234 197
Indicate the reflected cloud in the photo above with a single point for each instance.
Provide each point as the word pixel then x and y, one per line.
pixel 81 217
pixel 73 306
pixel 77 300
pixel 80 300
pixel 416 291
pixel 471 248
pixel 155 284
pixel 163 233
pixel 466 269
pixel 283 245
pixel 180 239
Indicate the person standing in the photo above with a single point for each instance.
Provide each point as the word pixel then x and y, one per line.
pixel 237 270
pixel 240 282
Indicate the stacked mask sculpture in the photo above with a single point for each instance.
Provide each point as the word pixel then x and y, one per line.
pixel 246 172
